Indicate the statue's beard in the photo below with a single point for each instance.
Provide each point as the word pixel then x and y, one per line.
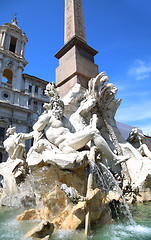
pixel 57 114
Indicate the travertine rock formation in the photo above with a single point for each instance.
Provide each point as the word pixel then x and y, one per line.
pixel 68 174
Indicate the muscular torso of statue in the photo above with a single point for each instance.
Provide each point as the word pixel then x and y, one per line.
pixel 56 130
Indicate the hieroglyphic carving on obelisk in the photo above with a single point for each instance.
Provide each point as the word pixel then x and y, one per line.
pixel 74 20
pixel 76 57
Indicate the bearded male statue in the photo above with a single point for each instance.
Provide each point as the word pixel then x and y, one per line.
pixel 58 130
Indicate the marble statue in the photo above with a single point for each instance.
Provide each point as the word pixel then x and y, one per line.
pixel 137 140
pixel 15 145
pixel 59 131
pixel 15 169
pixel 100 99
pixel 79 164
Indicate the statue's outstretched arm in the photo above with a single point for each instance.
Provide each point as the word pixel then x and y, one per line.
pixel 41 123
pixel 26 136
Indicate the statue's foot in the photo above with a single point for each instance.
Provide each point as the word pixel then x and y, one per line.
pixel 121 159
pixel 67 149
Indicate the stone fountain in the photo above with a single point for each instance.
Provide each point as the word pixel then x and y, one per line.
pixel 79 168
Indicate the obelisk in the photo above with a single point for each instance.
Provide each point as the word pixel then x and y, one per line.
pixel 74 20
pixel 76 58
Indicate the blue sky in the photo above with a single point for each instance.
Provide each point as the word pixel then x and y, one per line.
pixel 120 30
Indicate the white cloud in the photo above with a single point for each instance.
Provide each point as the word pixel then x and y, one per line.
pixel 134 112
pixel 142 76
pixel 146 129
pixel 140 70
pixel 136 115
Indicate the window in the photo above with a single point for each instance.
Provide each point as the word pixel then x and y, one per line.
pixel 36 89
pixel 43 91
pixel 5 95
pixel 12 46
pixel 1 158
pixel 7 77
pixel 29 102
pixel 2 134
pixel 42 108
pixel 35 106
pixel 30 88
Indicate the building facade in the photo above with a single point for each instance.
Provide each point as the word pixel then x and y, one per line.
pixel 21 95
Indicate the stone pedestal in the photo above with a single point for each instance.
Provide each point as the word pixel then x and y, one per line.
pixel 76 65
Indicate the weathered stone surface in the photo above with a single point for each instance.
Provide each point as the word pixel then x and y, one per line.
pixel 105 217
pixel 66 161
pixel 14 173
pixel 55 201
pixel 71 218
pixel 45 238
pixel 7 171
pixel 47 178
pixel 44 229
pixel 76 65
pixel 29 215
pixel 16 191
pixel 74 215
pixel 34 159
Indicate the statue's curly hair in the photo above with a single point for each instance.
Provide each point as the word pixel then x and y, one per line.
pixel 52 101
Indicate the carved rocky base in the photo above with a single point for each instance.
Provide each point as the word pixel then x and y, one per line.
pixel 14 173
pixel 67 210
pixel 43 231
pixel 73 214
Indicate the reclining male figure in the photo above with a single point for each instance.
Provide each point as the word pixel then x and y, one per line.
pixel 60 132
